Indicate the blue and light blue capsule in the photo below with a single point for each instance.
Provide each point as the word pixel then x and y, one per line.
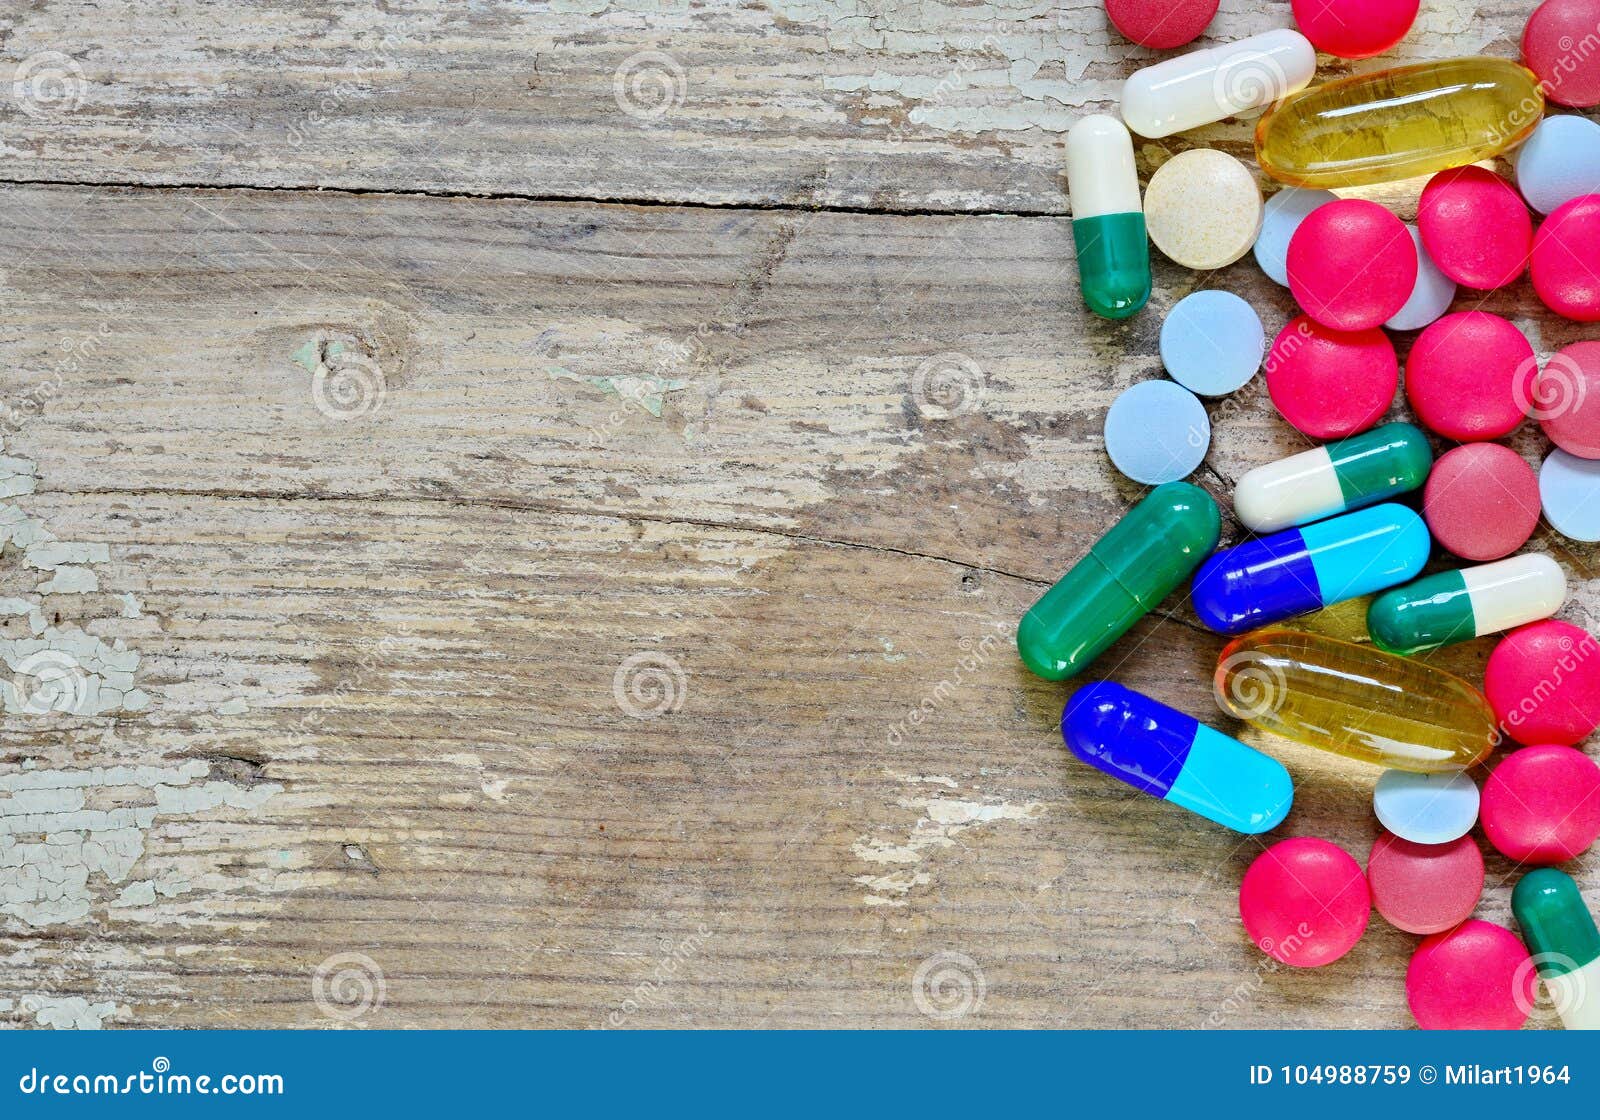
pixel 1301 570
pixel 1176 758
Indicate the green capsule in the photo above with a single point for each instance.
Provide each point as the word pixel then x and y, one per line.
pixel 1456 606
pixel 1155 547
pixel 1107 217
pixel 1561 934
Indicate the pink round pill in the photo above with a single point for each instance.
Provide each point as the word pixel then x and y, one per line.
pixel 1355 28
pixel 1305 902
pixel 1352 265
pixel 1331 384
pixel 1425 888
pixel 1476 227
pixel 1566 399
pixel 1161 24
pixel 1565 250
pixel 1470 376
pixel 1481 501
pixel 1542 804
pixel 1543 682
pixel 1558 46
pixel 1477 976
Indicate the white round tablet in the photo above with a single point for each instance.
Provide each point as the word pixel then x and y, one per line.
pixel 1212 342
pixel 1202 208
pixel 1560 161
pixel 1569 489
pixel 1432 295
pixel 1426 808
pixel 1283 214
pixel 1157 432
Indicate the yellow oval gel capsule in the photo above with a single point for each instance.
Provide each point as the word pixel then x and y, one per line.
pixel 1394 124
pixel 1355 700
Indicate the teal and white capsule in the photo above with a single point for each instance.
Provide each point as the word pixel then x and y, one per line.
pixel 1469 603
pixel 1561 932
pixel 1344 475
pixel 1107 217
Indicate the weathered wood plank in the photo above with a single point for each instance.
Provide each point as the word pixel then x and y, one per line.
pixel 888 104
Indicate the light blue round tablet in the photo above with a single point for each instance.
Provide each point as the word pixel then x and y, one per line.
pixel 1560 161
pixel 1432 295
pixel 1569 487
pixel 1212 342
pixel 1426 808
pixel 1156 432
pixel 1283 214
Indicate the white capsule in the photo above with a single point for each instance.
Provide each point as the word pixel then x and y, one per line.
pixel 1206 86
pixel 1101 175
pixel 1514 592
pixel 1293 491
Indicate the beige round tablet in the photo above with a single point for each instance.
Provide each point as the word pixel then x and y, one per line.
pixel 1203 209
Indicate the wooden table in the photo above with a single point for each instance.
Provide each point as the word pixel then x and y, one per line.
pixel 517 514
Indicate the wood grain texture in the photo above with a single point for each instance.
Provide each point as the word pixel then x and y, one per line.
pixel 521 612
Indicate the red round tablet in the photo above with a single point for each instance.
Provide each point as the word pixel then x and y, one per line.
pixel 1565 250
pixel 1331 384
pixel 1304 902
pixel 1481 501
pixel 1161 24
pixel 1543 682
pixel 1352 264
pixel 1475 227
pixel 1477 976
pixel 1566 399
pixel 1425 888
pixel 1542 804
pixel 1470 376
pixel 1558 46
pixel 1355 28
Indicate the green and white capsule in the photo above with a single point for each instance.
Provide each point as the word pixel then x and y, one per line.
pixel 1107 217
pixel 1345 475
pixel 1560 932
pixel 1456 606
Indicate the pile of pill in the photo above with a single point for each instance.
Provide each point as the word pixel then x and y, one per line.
pixel 1360 515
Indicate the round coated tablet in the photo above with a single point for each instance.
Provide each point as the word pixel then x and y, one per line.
pixel 1354 28
pixel 1481 501
pixel 1426 808
pixel 1425 888
pixel 1564 251
pixel 1157 432
pixel 1542 804
pixel 1161 24
pixel 1470 376
pixel 1477 976
pixel 1203 209
pixel 1352 264
pixel 1566 399
pixel 1558 46
pixel 1430 297
pixel 1476 227
pixel 1212 342
pixel 1282 216
pixel 1569 488
pixel 1331 384
pixel 1543 682
pixel 1304 902
pixel 1559 162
